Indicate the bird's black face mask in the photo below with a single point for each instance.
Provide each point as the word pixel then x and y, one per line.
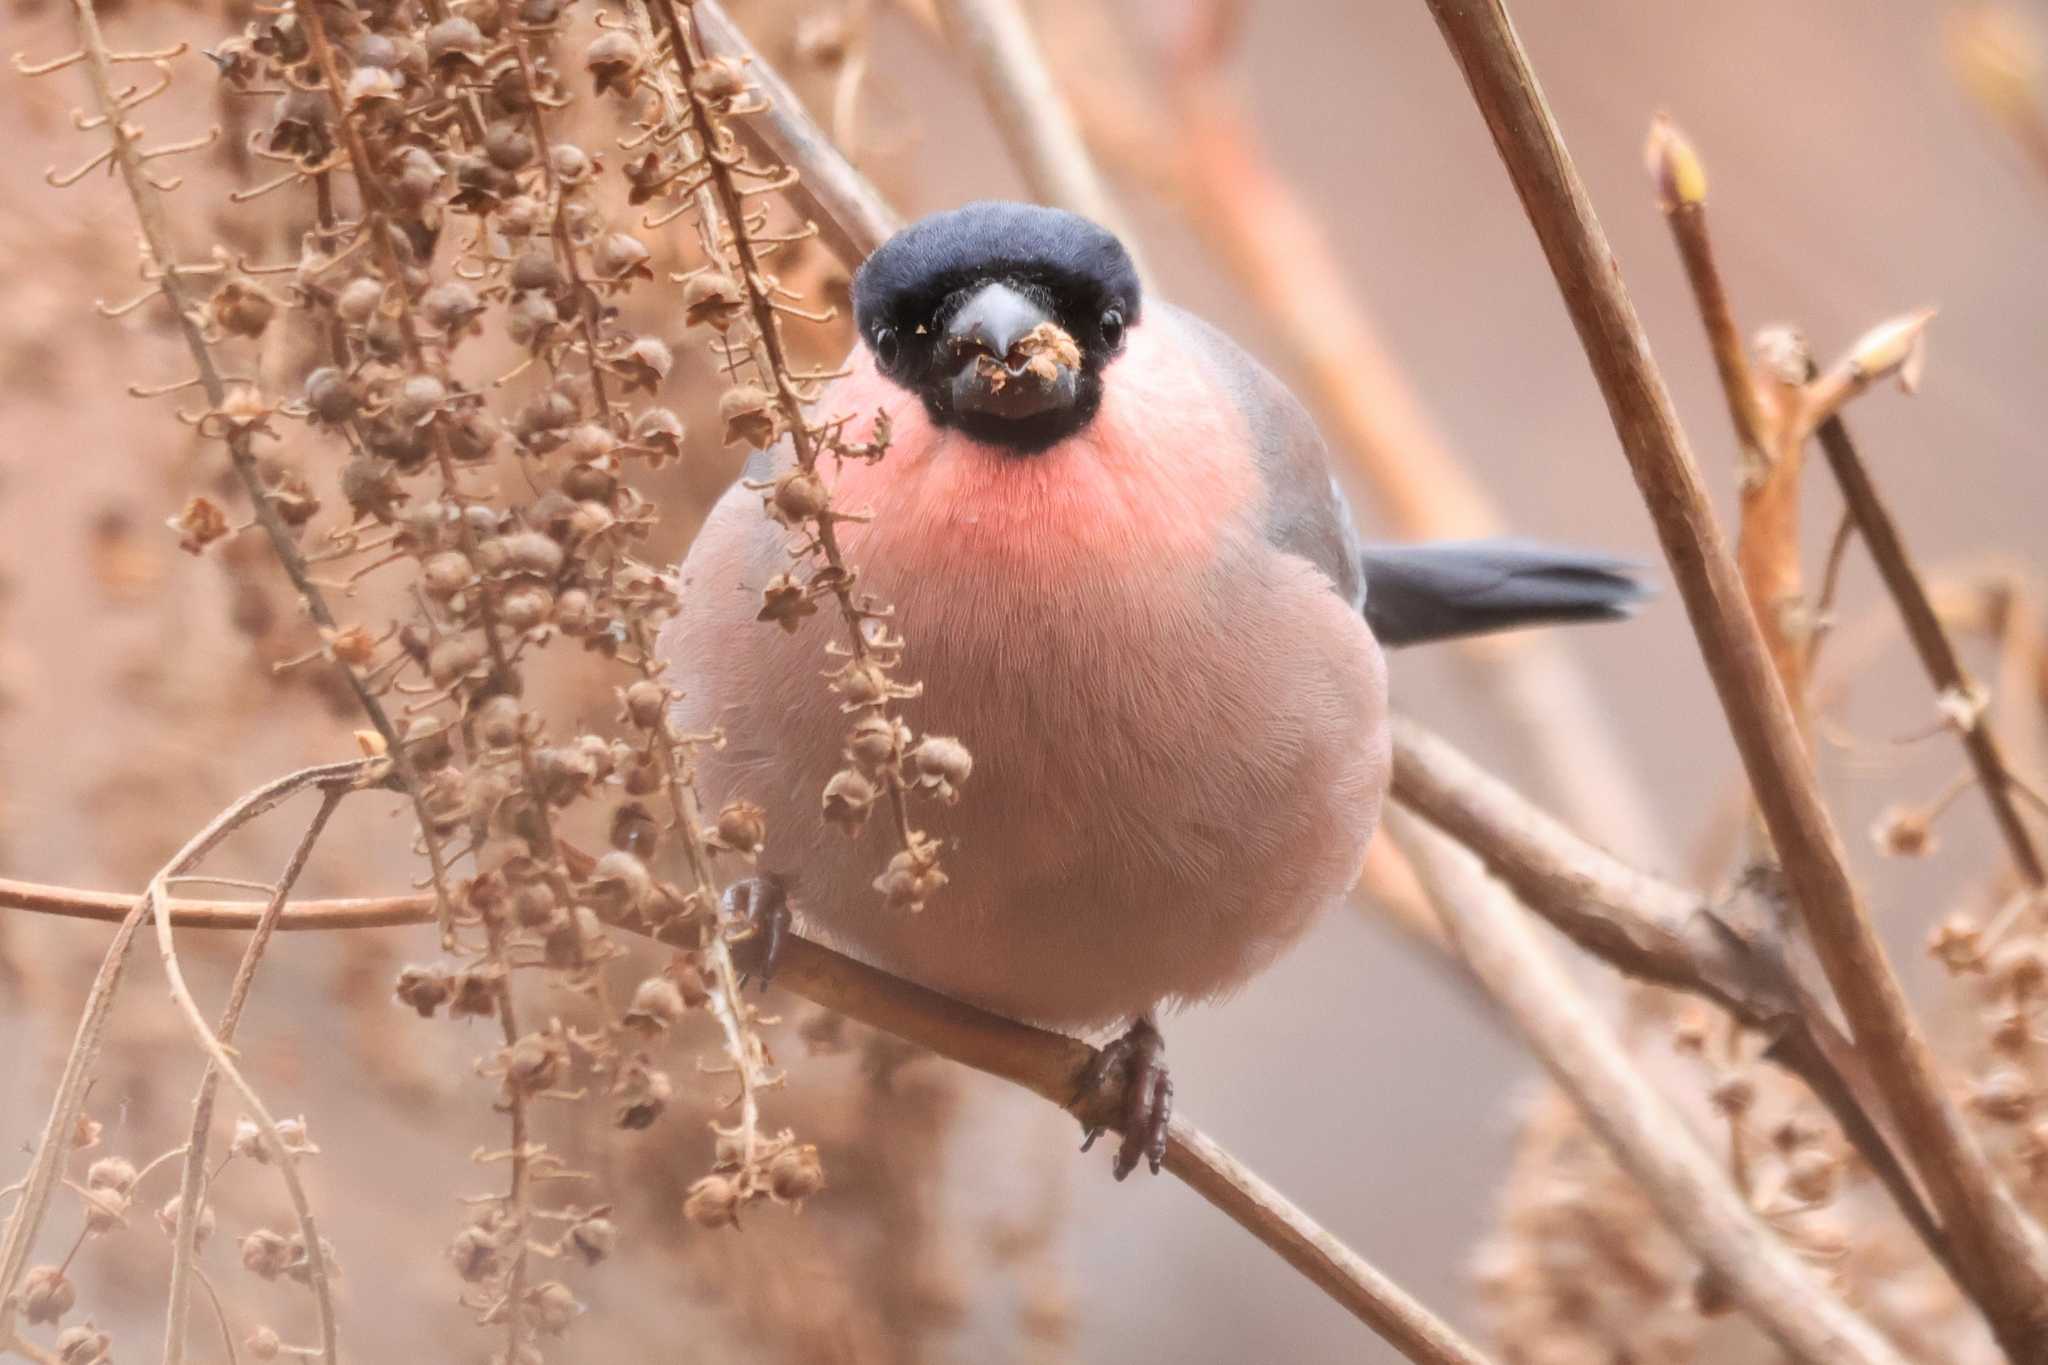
pixel 1001 318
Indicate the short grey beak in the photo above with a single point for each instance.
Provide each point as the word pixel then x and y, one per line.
pixel 995 371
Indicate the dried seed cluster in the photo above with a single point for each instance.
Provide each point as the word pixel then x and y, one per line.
pixel 486 413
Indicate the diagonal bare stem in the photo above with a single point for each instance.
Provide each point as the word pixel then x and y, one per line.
pixel 1999 1252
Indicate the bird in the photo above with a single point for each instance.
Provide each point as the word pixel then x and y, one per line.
pixel 1131 587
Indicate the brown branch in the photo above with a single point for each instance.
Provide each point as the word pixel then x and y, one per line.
pixel 1930 640
pixel 1656 932
pixel 1581 1052
pixel 1999 1251
pixel 1049 1064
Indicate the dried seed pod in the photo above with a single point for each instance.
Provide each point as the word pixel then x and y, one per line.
pixel 84 1345
pixel 445 574
pixel 199 525
pixel 359 300
pixel 942 764
pixel 912 877
pixel 796 1173
pixel 500 722
pixel 635 830
pixel 453 307
pixel 657 1003
pixel 456 47
pixel 265 1254
pixel 713 1202
pixel 713 299
pixel 593 1238
pixel 645 1093
pixel 571 163
pixel 798 496
pixel 785 602
pixel 876 739
pixel 535 1062
pixel 585 483
pixel 749 415
pixel 474 1253
pixel 645 701
pixel 847 799
pixel 46 1295
pixel 417 177
pixel 473 993
pixel 241 309
pixel 622 256
pixel 202 1226
pixel 551 1307
pixel 113 1174
pixel 537 268
pixel 525 607
pixel 742 826
pixel 524 552
pixel 613 60
pixel 454 659
pixel 660 432
pixel 331 396
pixel 718 82
pixel 508 147
pixel 264 1344
pixel 645 363
pixel 425 988
pixel 621 883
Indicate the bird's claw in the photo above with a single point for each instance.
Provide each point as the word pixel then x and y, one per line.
pixel 1139 1055
pixel 762 904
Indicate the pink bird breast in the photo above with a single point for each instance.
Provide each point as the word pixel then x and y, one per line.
pixel 1155 479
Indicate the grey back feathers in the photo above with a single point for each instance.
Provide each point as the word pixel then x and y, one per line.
pixel 1305 511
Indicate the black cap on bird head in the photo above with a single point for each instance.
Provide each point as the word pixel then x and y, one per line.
pixel 1000 317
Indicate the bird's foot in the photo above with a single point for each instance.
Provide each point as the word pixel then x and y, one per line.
pixel 1139 1056
pixel 762 904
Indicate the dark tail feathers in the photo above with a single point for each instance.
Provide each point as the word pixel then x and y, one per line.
pixel 1442 590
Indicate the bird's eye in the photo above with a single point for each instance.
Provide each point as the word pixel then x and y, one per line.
pixel 887 348
pixel 1113 328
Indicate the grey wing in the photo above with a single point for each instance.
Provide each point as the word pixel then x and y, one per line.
pixel 1306 513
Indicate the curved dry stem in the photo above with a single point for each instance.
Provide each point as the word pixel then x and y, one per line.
pixel 46 1167
pixel 192 1181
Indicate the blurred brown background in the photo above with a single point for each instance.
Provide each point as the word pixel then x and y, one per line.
pixel 1850 180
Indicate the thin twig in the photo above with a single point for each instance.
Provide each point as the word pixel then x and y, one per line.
pixel 1770 449
pixel 1581 1052
pixel 1048 1064
pixel 852 217
pixel 192 1182
pixel 1930 641
pixel 1999 1251
pixel 69 1101
pixel 1001 51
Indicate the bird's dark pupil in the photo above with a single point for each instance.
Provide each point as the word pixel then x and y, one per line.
pixel 1112 327
pixel 885 346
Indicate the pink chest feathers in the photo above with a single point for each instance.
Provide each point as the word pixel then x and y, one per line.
pixel 1161 474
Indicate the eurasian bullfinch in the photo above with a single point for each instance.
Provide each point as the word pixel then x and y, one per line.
pixel 1132 589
